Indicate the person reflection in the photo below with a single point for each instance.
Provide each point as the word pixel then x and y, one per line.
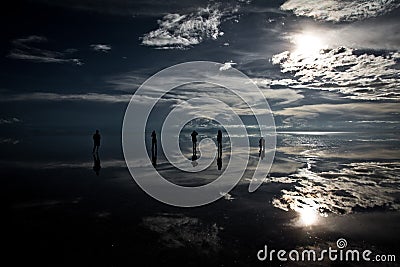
pixel 194 162
pixel 194 141
pixel 96 163
pixel 154 148
pixel 261 144
pixel 219 141
pixel 219 163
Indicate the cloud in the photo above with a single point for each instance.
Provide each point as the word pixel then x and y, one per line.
pixel 226 196
pixel 346 189
pixel 24 50
pixel 379 35
pixel 361 110
pixel 130 81
pixel 189 89
pixel 360 148
pixel 340 10
pixel 355 73
pixel 95 97
pixel 227 66
pixel 9 121
pixel 129 8
pixel 178 31
pixel 101 48
pixel 9 141
pixel 288 95
pixel 271 93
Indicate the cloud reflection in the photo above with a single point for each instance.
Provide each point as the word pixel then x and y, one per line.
pixel 180 231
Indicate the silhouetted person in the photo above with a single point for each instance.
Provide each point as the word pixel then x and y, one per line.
pixel 96 141
pixel 194 141
pixel 261 144
pixel 153 140
pixel 219 141
pixel 154 148
pixel 219 157
pixel 96 163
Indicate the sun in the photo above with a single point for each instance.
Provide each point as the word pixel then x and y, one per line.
pixel 308 44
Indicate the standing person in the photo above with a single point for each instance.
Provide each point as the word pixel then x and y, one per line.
pixel 154 141
pixel 219 141
pixel 261 144
pixel 154 148
pixel 96 141
pixel 194 141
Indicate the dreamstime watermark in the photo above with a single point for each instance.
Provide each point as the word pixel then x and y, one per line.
pixel 154 90
pixel 340 253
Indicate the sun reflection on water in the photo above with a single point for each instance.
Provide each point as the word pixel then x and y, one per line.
pixel 308 216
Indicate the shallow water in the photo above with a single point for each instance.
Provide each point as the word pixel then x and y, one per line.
pixel 322 187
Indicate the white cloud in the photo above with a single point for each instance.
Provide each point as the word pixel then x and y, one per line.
pixel 227 196
pixel 227 66
pixel 181 31
pixel 340 10
pixel 101 48
pixel 24 50
pixel 357 75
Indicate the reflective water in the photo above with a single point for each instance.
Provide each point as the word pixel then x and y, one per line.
pixel 322 186
pixel 340 173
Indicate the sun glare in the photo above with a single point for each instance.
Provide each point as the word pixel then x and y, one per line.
pixel 307 44
pixel 308 216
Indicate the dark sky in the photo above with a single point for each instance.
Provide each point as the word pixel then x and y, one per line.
pixel 74 64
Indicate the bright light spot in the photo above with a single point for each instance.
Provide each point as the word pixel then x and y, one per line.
pixel 307 44
pixel 308 216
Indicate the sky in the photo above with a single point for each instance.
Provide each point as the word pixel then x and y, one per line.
pixel 72 66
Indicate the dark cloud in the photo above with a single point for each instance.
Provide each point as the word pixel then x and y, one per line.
pixel 180 231
pixel 24 49
pixel 91 97
pixel 136 7
pixel 9 120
